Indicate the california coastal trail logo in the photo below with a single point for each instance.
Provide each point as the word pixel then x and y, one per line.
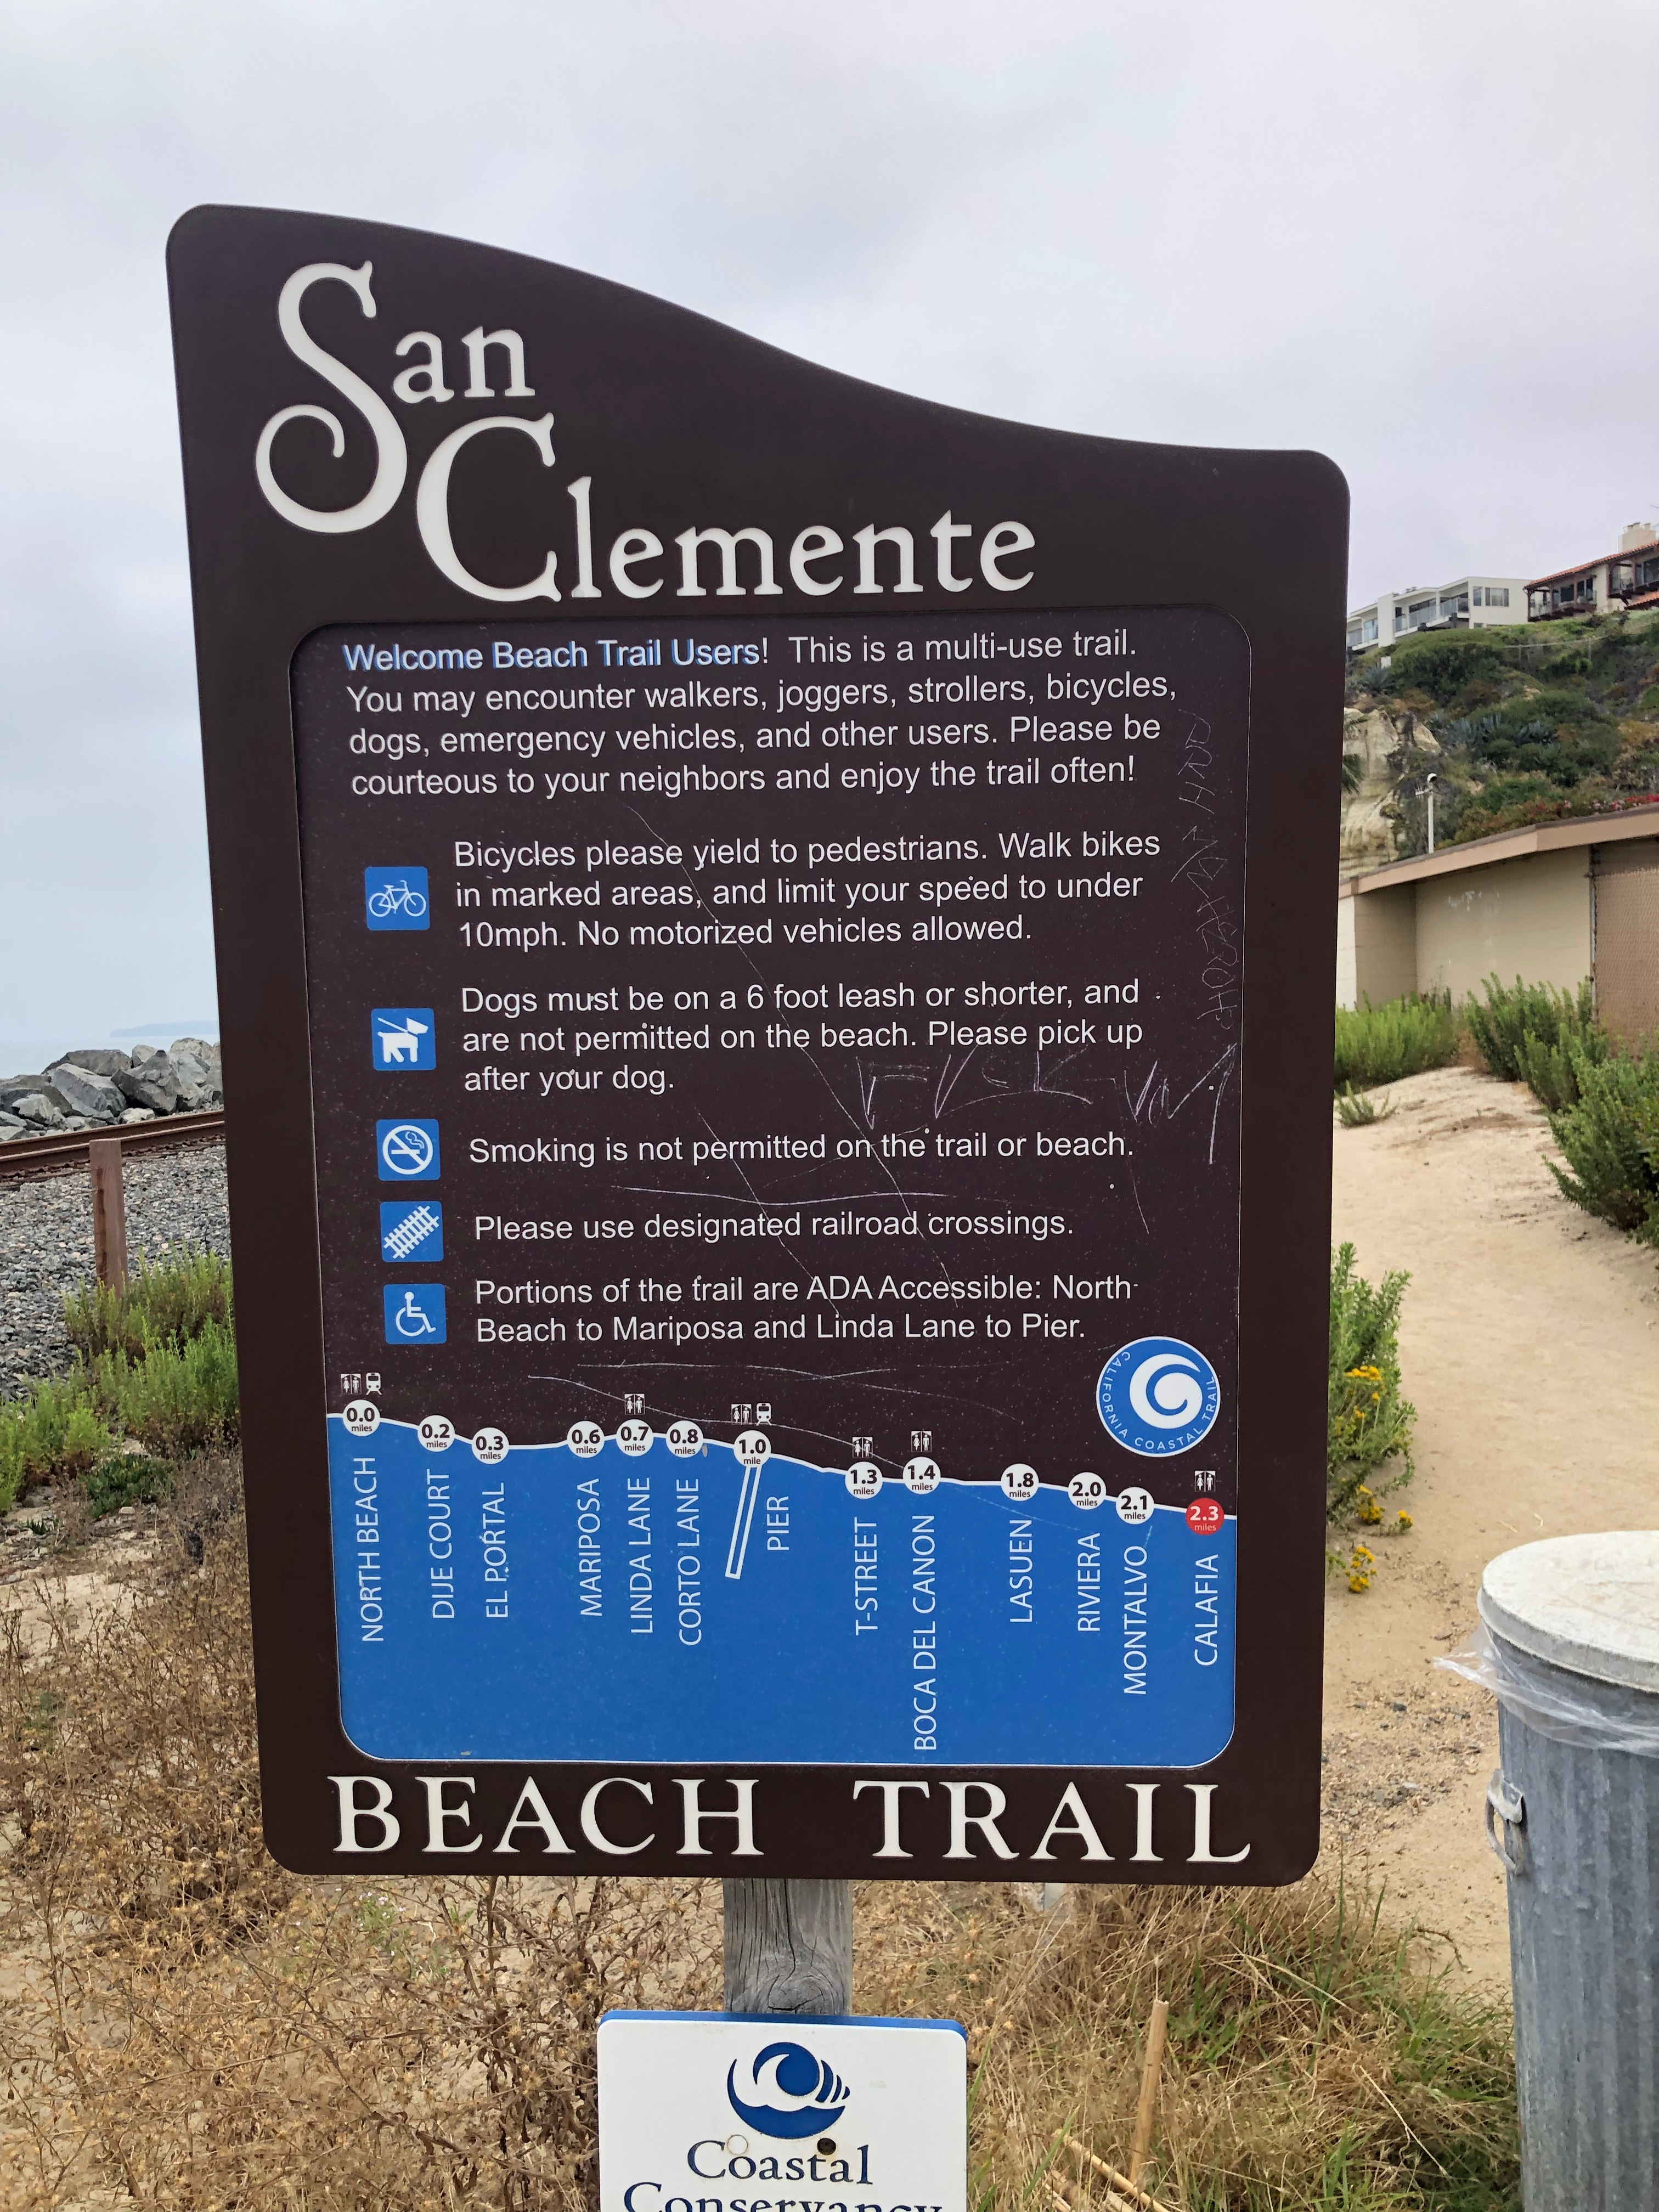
pixel 794 2093
pixel 1158 1396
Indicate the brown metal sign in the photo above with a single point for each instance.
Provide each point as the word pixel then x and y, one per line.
pixel 781 1233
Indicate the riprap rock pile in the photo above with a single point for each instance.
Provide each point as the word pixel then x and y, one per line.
pixel 99 1086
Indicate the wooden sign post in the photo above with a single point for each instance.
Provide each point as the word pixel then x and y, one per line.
pixel 109 1210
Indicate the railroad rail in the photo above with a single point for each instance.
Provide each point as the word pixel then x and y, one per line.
pixel 30 1157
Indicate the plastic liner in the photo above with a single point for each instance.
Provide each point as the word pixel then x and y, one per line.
pixel 1574 1709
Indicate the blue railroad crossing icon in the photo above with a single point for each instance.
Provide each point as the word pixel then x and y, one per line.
pixel 414 1313
pixel 404 1037
pixel 408 1151
pixel 411 1232
pixel 396 898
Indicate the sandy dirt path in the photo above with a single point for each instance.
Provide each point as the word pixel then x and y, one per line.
pixel 1529 1344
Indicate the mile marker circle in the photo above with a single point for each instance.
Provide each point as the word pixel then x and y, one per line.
pixel 685 1439
pixel 1020 1483
pixel 634 1437
pixel 586 1439
pixel 1086 1492
pixel 361 1417
pixel 922 1475
pixel 437 1431
pixel 753 1447
pixel 490 1446
pixel 864 1479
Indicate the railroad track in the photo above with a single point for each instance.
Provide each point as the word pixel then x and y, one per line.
pixel 29 1157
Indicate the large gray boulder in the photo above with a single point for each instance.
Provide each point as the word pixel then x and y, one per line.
pixel 18 1087
pixel 200 1085
pixel 11 1128
pixel 153 1083
pixel 101 1059
pixel 188 1066
pixel 86 1092
pixel 38 1108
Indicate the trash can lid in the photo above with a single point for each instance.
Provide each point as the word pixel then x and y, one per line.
pixel 1590 1604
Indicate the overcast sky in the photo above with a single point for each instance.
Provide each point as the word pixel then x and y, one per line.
pixel 1419 237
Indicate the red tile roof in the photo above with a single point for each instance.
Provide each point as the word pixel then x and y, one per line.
pixel 1557 575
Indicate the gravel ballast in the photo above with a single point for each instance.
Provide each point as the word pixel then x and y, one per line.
pixel 174 1199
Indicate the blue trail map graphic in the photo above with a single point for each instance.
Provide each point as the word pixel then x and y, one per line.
pixel 640 1606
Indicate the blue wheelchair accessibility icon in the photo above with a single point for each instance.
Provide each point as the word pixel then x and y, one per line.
pixel 415 1313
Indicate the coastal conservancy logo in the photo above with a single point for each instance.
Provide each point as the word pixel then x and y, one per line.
pixel 1158 1396
pixel 786 2091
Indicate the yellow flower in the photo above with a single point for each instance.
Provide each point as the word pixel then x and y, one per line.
pixel 1405 1521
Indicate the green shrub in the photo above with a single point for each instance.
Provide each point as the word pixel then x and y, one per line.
pixel 126 1478
pixel 1475 820
pixel 155 1363
pixel 1381 1044
pixel 1551 1071
pixel 177 1399
pixel 1369 1422
pixel 1441 666
pixel 1562 736
pixel 1501 1025
pixel 1611 1139
pixel 12 1470
pixel 165 1303
pixel 1358 1109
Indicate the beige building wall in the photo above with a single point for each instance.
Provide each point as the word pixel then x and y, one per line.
pixel 1528 917
pixel 1377 945
pixel 1627 939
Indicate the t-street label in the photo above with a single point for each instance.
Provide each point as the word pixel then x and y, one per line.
pixel 781 1273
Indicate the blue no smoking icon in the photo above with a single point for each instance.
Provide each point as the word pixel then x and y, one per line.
pixel 407 1151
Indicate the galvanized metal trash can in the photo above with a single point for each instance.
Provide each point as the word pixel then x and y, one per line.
pixel 1571 1650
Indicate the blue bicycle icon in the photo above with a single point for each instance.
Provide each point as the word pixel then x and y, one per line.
pixel 396 898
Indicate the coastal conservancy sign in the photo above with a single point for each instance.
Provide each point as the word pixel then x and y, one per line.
pixel 781 1235
pixel 703 2114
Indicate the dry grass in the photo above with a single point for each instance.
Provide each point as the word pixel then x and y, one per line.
pixel 185 2025
pixel 1311 2061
